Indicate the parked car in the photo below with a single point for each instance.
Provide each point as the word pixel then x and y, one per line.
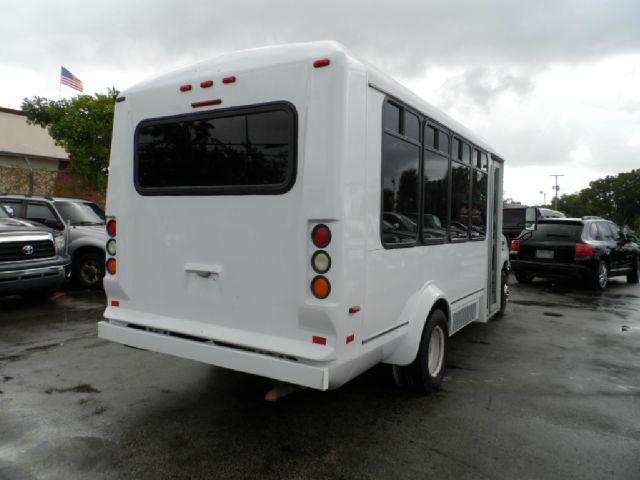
pixel 33 258
pixel 590 248
pixel 86 230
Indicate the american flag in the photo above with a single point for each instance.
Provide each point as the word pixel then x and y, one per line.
pixel 69 79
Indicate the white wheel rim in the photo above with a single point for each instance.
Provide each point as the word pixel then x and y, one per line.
pixel 436 351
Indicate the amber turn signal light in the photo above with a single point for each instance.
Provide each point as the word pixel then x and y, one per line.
pixel 320 287
pixel 111 266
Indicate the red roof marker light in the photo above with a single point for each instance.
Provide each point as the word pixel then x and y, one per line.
pixel 206 84
pixel 319 340
pixel 185 88
pixel 228 79
pixel 207 103
pixel 323 62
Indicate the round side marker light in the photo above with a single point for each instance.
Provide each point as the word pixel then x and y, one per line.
pixel 111 247
pixel 111 228
pixel 321 236
pixel 321 261
pixel 320 287
pixel 111 266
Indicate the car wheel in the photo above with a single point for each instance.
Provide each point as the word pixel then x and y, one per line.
pixel 88 270
pixel 522 277
pixel 600 277
pixel 426 372
pixel 504 297
pixel 634 275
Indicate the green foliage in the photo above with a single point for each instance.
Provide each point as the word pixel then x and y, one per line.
pixel 616 198
pixel 83 126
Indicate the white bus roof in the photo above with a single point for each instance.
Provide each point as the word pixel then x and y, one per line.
pixel 266 57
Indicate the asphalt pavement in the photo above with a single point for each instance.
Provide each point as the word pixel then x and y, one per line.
pixel 550 391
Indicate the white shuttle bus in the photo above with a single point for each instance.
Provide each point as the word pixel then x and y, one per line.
pixel 294 213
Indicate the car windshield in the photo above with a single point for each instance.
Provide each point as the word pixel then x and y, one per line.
pixel 3 212
pixel 81 213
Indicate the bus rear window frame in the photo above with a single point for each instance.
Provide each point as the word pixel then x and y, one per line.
pixel 209 190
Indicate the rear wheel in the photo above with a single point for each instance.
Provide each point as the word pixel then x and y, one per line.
pixel 634 275
pixel 600 277
pixel 425 373
pixel 88 270
pixel 522 277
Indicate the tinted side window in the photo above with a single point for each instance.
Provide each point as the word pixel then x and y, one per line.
pixel 430 136
pixel 594 232
pixel 400 190
pixel 436 186
pixel 460 196
pixel 412 126
pixel 466 153
pixel 391 117
pixel 479 204
pixel 615 231
pixel 443 141
pixel 250 150
pixel 15 207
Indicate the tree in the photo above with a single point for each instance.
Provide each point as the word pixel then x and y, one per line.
pixel 83 126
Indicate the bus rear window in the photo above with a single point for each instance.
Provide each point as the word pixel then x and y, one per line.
pixel 240 151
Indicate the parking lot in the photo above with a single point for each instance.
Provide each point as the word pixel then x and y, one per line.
pixel 551 390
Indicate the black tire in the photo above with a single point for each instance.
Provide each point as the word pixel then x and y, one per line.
pixel 504 297
pixel 522 277
pixel 426 372
pixel 600 277
pixel 634 275
pixel 88 269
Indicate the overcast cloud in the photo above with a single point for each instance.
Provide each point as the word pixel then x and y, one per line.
pixel 552 84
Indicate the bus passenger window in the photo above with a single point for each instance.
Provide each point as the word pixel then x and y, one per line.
pixel 400 190
pixel 411 126
pixel 430 136
pixel 391 117
pixel 478 205
pixel 443 142
pixel 460 196
pixel 466 153
pixel 436 183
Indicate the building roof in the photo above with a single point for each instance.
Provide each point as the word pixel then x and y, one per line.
pixel 21 139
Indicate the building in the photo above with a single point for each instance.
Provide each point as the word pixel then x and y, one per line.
pixel 29 158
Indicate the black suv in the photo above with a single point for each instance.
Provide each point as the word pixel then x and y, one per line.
pixel 590 248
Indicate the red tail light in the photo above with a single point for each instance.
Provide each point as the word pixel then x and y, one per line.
pixel 515 245
pixel 111 228
pixel 584 250
pixel 321 236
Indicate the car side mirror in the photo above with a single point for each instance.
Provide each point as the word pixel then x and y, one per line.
pixel 55 224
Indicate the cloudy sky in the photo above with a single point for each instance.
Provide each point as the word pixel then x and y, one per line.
pixel 553 85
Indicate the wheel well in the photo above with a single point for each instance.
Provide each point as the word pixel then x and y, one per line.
pixel 441 304
pixel 82 250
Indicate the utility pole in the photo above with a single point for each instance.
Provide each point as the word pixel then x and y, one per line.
pixel 556 188
pixel 544 197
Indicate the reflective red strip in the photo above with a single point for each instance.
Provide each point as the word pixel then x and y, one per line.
pixel 354 309
pixel 319 340
pixel 115 303
pixel 351 338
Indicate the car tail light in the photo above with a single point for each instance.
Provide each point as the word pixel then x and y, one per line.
pixel 320 287
pixel 321 236
pixel 515 246
pixel 584 250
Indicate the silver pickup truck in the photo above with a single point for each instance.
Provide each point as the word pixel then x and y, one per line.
pixel 83 222
pixel 33 258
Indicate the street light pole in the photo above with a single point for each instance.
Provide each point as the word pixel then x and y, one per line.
pixel 544 197
pixel 556 188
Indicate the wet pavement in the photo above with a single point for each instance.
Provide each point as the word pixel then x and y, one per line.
pixel 551 390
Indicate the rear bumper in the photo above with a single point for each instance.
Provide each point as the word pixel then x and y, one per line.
pixel 16 281
pixel 552 269
pixel 256 363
